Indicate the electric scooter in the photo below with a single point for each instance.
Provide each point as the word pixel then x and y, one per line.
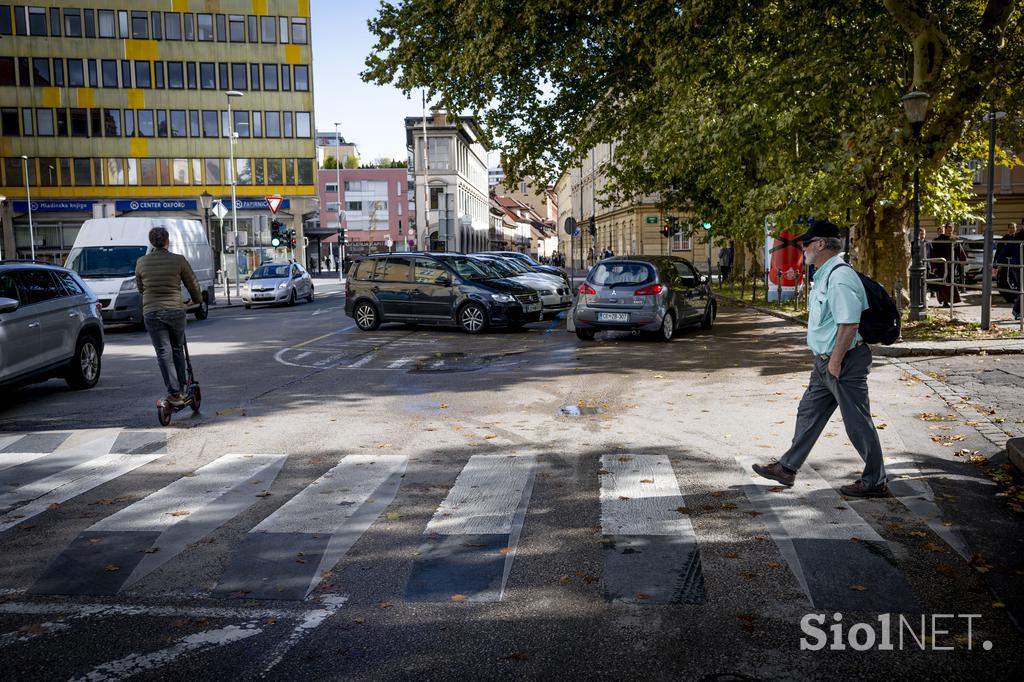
pixel 193 396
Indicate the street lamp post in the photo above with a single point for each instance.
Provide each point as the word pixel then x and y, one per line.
pixel 337 181
pixel 915 104
pixel 234 200
pixel 28 200
pixel 986 268
pixel 206 200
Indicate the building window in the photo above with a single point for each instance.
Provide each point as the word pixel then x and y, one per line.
pixel 268 29
pixel 283 34
pixel 106 23
pixel 243 169
pixel 147 125
pixel 7 72
pixel 94 80
pixel 197 172
pixel 254 76
pixel 76 73
pixel 353 185
pixel 438 153
pixel 112 122
pixel 126 74
pixel 204 27
pixel 213 171
pixel 222 76
pixel 300 31
pixel 44 122
pixel 210 124
pixel 90 29
pixel 193 123
pixel 158 75
pixel 241 123
pixel 354 206
pixel 161 123
pixel 83 172
pixel 140 25
pixel 24 72
pixel 302 124
pixel 270 76
pixel 190 69
pixel 147 172
pixel 301 78
pixel 179 123
pixel 680 242
pixel 175 75
pixel 275 172
pixel 188 26
pixel 129 123
pixel 143 76
pixel 286 77
pixel 257 124
pixel 96 122
pixel 254 31
pixel 54 20
pixel 41 71
pixel 5 20
pixel 108 67
pixel 288 131
pixel 122 24
pixel 72 23
pixel 158 24
pixel 238 80
pixel 332 206
pixel 236 28
pixel 331 188
pixel 207 76
pixel 36 21
pixel 26 122
pixel 222 32
pixel 273 122
pixel 79 123
pixel 179 171
pixel 304 169
pixel 435 196
pixel 172 26
pixel 289 171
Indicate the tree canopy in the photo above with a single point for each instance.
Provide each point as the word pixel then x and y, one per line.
pixel 735 110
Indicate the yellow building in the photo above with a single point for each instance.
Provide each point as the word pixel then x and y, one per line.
pixel 121 108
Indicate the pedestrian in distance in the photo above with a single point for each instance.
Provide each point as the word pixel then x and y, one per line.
pixel 725 259
pixel 608 253
pixel 158 277
pixel 842 362
pixel 951 269
pixel 1002 258
pixel 1015 277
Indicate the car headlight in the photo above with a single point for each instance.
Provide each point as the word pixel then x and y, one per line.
pixel 129 284
pixel 503 298
pixel 282 285
pixel 245 285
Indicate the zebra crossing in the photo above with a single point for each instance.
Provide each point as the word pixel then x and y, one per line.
pixel 651 551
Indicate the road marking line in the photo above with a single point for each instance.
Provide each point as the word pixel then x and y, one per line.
pixel 827 545
pixel 401 361
pixel 322 336
pixel 62 487
pixel 317 526
pixel 144 536
pixel 362 361
pixel 72 451
pixel 13 459
pixel 309 622
pixel 303 354
pixel 37 442
pixel 485 496
pixel 134 664
pixel 75 609
pixel 629 506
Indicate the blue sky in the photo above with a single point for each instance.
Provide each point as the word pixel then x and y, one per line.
pixel 372 116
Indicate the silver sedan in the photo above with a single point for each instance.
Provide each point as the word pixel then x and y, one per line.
pixel 277 283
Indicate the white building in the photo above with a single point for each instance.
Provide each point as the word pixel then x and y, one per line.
pixel 451 195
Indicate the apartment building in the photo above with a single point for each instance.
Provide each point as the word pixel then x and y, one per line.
pixel 372 206
pixel 117 108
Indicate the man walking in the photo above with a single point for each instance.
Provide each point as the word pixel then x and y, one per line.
pixel 842 362
pixel 159 276
pixel 725 258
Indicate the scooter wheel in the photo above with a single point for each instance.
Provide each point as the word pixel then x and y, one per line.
pixel 197 398
pixel 163 413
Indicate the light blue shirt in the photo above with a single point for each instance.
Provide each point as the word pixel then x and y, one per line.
pixel 842 303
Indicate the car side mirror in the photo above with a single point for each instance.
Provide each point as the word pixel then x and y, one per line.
pixel 8 305
pixel 443 281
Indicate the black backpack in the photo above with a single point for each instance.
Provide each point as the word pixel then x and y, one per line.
pixel 880 323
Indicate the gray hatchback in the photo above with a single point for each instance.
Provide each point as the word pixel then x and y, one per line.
pixel 50 326
pixel 643 294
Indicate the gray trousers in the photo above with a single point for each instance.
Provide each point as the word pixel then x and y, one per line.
pixel 167 330
pixel 850 394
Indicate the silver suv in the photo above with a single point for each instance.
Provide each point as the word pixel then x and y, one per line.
pixel 50 326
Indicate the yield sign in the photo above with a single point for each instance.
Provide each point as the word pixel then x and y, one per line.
pixel 274 203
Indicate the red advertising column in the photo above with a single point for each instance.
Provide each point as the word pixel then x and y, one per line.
pixel 786 266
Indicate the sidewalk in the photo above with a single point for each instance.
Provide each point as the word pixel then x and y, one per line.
pixel 919 348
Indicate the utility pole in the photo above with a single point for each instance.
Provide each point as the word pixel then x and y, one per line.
pixel 426 172
pixel 234 198
pixel 337 180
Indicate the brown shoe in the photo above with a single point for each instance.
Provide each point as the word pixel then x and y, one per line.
pixel 776 472
pixel 858 489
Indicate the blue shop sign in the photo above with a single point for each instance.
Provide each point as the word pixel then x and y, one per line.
pixel 254 204
pixel 52 206
pixel 155 205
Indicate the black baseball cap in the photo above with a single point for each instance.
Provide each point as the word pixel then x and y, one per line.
pixel 821 229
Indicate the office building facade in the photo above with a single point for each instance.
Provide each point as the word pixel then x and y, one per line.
pixel 120 109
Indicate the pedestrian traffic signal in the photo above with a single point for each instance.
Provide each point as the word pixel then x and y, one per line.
pixel 342 237
pixel 670 226
pixel 291 238
pixel 707 225
pixel 592 227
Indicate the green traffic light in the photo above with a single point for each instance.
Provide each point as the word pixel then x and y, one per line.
pixel 707 226
pixel 275 242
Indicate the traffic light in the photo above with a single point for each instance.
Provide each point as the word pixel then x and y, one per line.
pixel 670 226
pixel 342 238
pixel 275 233
pixel 707 224
pixel 592 228
pixel 291 238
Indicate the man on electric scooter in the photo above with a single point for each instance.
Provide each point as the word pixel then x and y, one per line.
pixel 159 276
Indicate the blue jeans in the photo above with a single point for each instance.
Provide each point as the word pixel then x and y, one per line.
pixel 167 330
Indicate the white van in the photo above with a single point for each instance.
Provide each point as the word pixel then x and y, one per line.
pixel 105 252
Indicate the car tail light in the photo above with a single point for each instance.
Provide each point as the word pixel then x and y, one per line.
pixel 652 290
pixel 587 289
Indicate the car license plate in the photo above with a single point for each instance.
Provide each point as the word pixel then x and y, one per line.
pixel 531 307
pixel 262 296
pixel 613 317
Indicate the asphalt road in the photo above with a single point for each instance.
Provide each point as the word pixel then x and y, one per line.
pixel 418 503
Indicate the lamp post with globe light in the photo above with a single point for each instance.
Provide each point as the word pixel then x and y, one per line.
pixel 915 104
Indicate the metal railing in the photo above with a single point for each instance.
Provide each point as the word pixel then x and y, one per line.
pixel 953 277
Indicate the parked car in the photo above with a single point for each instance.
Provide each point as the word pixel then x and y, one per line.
pixel 51 325
pixel 534 265
pixel 643 294
pixel 105 252
pixel 974 245
pixel 277 283
pixel 435 288
pixel 555 295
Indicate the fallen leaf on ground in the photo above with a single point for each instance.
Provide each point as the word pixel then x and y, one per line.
pixel 858 588
pixel 265 493
pixel 180 513
pixel 623 497
pixel 111 568
pixel 54 506
pixel 392 516
pixel 728 505
pixel 458 597
pixel 564 580
pixel 358 621
pixel 152 550
pixel 641 596
pixel 385 605
pixel 730 555
pixel 683 510
pixel 647 480
pixel 444 406
pixel 932 547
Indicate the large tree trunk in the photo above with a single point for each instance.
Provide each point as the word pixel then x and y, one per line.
pixel 881 248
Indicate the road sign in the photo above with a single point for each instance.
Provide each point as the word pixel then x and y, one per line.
pixel 569 225
pixel 219 210
pixel 274 203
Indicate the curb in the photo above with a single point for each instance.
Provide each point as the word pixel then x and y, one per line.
pixel 897 350
pixel 1015 449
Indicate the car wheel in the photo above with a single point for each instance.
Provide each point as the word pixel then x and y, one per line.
pixel 668 327
pixel 203 311
pixel 585 334
pixel 366 316
pixel 309 299
pixel 473 318
pixel 708 321
pixel 291 298
pixel 84 366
